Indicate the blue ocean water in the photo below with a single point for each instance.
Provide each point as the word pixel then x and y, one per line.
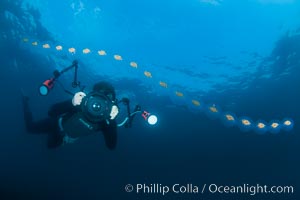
pixel 239 57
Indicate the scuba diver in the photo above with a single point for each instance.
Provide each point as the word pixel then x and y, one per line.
pixel 82 115
pixel 66 121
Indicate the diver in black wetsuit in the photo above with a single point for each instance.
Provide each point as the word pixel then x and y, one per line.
pixel 84 115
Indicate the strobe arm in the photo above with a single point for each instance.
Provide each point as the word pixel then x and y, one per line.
pixel 75 82
pixel 48 84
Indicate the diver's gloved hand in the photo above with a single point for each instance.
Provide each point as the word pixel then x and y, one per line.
pixel 77 99
pixel 114 112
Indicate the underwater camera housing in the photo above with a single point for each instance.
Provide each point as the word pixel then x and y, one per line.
pixel 96 107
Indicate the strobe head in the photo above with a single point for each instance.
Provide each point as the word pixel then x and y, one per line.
pixel 150 118
pixel 46 86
